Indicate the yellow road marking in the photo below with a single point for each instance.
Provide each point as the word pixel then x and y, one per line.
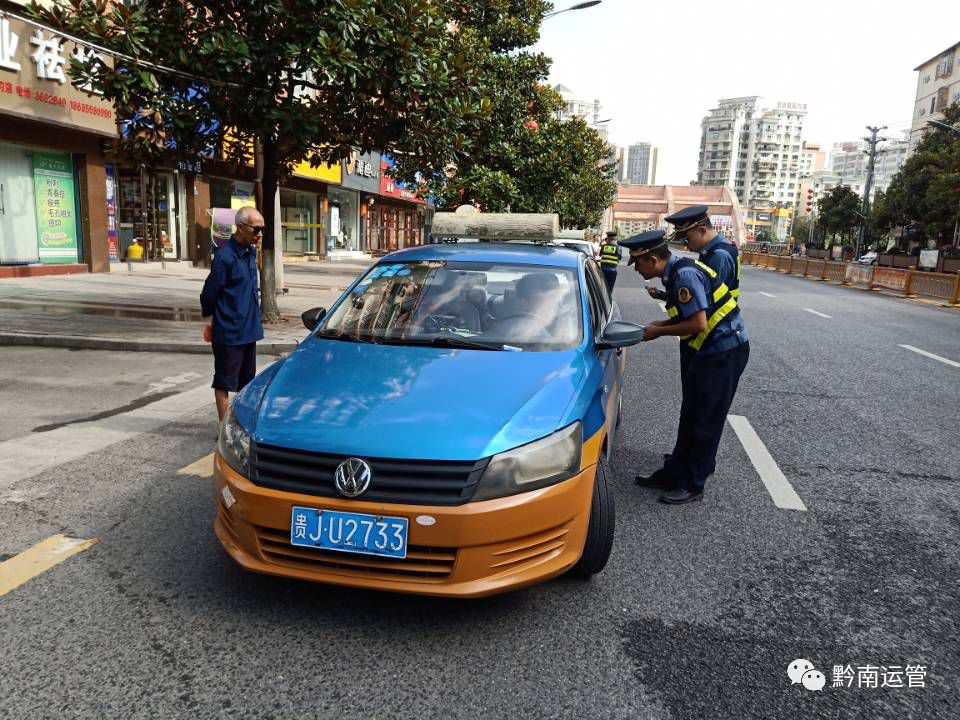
pixel 38 559
pixel 201 468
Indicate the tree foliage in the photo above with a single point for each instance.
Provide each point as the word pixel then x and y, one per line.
pixel 839 213
pixel 925 194
pixel 523 158
pixel 300 79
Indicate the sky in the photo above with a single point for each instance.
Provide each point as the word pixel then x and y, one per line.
pixel 659 67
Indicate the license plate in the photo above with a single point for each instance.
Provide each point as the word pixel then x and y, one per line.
pixel 349 532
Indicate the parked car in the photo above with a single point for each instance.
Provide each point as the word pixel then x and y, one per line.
pixel 869 258
pixel 585 246
pixel 442 430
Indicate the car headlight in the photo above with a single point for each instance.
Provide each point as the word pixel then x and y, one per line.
pixel 234 444
pixel 543 462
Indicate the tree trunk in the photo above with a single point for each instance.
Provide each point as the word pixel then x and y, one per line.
pixel 268 291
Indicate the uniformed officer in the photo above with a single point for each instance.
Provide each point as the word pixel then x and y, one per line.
pixel 714 350
pixel 692 225
pixel 609 259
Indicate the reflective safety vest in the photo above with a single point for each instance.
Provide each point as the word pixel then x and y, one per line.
pixel 721 299
pixel 609 254
pixel 731 249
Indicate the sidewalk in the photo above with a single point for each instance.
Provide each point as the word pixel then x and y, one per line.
pixel 150 308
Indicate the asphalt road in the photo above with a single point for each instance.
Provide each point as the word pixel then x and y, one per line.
pixel 698 614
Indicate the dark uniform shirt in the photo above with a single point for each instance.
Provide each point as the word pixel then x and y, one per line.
pixel 230 295
pixel 729 332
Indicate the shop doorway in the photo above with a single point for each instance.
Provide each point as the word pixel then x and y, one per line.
pixel 18 213
pixel 149 212
pixel 298 214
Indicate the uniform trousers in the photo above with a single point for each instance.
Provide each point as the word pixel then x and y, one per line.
pixel 709 383
pixel 610 275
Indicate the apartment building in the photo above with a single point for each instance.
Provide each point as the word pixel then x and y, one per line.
pixel 754 146
pixel 850 161
pixel 641 168
pixel 938 85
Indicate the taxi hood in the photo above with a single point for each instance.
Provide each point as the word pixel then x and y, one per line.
pixel 414 402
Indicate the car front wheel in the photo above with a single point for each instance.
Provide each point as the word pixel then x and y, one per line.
pixel 599 542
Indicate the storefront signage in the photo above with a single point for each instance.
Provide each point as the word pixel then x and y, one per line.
pixel 362 172
pixel 190 166
pixel 392 188
pixel 34 82
pixel 326 173
pixel 56 208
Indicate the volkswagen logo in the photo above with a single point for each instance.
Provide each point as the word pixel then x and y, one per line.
pixel 352 477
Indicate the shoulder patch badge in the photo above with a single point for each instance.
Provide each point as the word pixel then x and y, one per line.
pixel 684 295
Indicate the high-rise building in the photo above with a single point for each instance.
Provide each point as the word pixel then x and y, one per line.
pixel 641 165
pixel 754 146
pixel 938 85
pixel 849 161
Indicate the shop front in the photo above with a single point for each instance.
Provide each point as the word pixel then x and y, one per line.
pixel 395 217
pixel 53 178
pixel 304 209
pixel 151 210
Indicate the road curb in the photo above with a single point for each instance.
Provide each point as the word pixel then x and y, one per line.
pixel 76 342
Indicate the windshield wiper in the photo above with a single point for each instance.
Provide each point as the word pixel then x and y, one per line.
pixel 344 337
pixel 449 340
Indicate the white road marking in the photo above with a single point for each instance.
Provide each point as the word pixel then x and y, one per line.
pixel 944 360
pixel 820 314
pixel 25 457
pixel 766 294
pixel 780 489
pixel 169 383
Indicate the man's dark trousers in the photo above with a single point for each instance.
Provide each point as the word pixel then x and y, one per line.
pixel 610 275
pixel 709 383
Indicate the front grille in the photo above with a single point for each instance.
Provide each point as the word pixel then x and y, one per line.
pixel 428 564
pixel 415 482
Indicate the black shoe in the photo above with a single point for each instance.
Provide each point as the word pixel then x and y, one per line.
pixel 659 480
pixel 680 497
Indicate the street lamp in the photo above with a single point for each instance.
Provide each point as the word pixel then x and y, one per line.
pixel 943 125
pixel 578 6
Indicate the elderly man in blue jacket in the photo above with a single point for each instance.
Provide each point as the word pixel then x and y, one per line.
pixel 230 298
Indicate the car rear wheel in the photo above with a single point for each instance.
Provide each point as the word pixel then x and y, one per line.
pixel 596 549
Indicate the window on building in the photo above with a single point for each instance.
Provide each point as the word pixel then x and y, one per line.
pixel 943 97
pixel 933 104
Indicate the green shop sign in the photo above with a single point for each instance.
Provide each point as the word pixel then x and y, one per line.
pixel 56 208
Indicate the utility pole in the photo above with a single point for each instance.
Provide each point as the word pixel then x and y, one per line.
pixel 872 141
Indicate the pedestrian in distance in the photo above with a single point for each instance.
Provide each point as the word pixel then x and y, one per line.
pixel 230 300
pixel 714 350
pixel 694 229
pixel 610 259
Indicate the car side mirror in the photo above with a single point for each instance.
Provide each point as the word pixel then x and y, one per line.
pixel 312 317
pixel 619 334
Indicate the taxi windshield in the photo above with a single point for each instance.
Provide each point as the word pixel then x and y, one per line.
pixel 472 305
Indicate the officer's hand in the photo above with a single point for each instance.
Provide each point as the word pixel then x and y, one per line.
pixel 652 292
pixel 651 332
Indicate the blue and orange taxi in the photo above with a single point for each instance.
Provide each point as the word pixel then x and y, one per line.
pixel 442 430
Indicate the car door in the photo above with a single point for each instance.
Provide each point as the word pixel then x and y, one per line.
pixel 611 361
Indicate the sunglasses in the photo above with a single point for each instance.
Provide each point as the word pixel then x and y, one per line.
pixel 255 229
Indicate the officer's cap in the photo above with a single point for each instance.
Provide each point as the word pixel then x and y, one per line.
pixel 642 244
pixel 611 233
pixel 687 219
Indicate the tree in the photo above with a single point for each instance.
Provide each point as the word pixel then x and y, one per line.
pixel 839 212
pixel 801 228
pixel 765 236
pixel 285 80
pixel 524 158
pixel 925 194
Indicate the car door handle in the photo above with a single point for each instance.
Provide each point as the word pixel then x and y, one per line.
pixel 619 351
